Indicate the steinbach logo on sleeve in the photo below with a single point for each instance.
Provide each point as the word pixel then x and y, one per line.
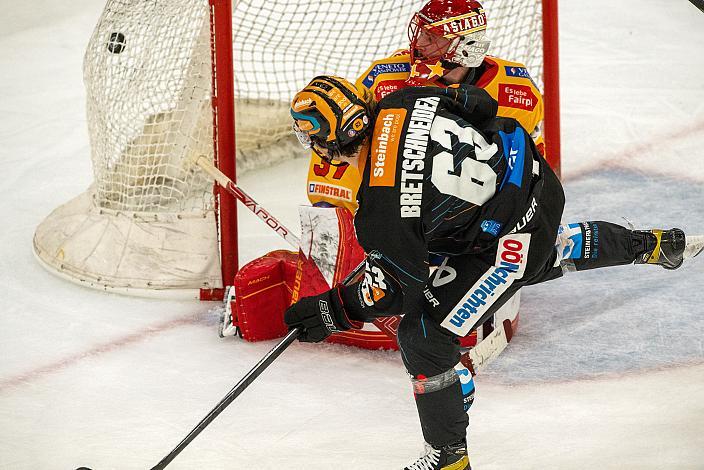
pixel 387 134
pixel 510 265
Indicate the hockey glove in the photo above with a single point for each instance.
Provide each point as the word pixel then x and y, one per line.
pixel 319 316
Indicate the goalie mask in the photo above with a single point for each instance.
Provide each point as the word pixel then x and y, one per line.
pixel 451 32
pixel 330 117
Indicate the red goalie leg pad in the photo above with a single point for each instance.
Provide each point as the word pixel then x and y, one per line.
pixel 262 293
pixel 329 252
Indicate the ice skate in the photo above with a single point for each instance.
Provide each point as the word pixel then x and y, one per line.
pixel 449 457
pixel 671 248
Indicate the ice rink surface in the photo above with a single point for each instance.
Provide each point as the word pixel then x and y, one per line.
pixel 606 372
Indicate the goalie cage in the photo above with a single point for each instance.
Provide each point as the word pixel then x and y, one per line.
pixel 160 89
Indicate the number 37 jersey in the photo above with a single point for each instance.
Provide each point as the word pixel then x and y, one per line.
pixel 444 176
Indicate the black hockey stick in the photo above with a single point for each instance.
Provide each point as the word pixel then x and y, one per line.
pixel 699 4
pixel 246 381
pixel 230 397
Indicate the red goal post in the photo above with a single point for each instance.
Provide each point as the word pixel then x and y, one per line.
pixel 171 79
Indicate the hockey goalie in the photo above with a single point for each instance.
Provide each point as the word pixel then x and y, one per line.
pixel 329 250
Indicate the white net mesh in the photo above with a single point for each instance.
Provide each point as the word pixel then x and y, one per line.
pixel 147 75
pixel 149 81
pixel 147 72
pixel 280 45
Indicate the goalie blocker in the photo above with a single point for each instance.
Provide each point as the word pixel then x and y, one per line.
pixel 266 286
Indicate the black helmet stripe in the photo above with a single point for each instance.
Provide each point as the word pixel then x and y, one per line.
pixel 348 94
pixel 334 106
pixel 345 91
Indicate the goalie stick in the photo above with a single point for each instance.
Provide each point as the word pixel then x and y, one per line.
pixel 387 325
pixel 206 165
pixel 492 345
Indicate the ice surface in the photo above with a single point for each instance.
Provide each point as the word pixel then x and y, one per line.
pixel 606 371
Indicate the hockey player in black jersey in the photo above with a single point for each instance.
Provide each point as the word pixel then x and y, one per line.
pixel 443 175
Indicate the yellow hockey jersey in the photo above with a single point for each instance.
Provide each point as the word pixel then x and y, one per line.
pixel 507 82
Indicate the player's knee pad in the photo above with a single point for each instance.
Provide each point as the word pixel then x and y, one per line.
pixel 426 347
pixel 413 344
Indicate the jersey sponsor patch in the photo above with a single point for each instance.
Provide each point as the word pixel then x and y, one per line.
pixel 385 142
pixel 511 259
pixel 324 189
pixel 519 72
pixel 491 227
pixel 387 87
pixel 590 247
pixel 517 96
pixel 513 71
pixel 477 300
pixel 569 241
pixel 512 253
pixel 467 383
pixel 378 69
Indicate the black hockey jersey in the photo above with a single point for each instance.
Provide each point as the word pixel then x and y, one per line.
pixel 444 175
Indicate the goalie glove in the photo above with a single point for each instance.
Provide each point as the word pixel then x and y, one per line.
pixel 319 316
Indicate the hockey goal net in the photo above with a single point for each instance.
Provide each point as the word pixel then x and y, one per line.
pixel 159 88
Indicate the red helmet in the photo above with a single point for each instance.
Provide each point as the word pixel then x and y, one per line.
pixel 450 31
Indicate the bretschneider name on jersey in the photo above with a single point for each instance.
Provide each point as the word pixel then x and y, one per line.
pixel 414 150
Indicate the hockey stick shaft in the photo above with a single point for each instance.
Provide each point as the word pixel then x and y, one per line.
pixel 699 4
pixel 243 384
pixel 226 183
pixel 384 324
pixel 230 397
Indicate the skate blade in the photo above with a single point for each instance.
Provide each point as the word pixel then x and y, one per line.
pixel 695 246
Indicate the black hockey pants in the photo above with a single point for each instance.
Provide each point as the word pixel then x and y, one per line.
pixel 466 290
